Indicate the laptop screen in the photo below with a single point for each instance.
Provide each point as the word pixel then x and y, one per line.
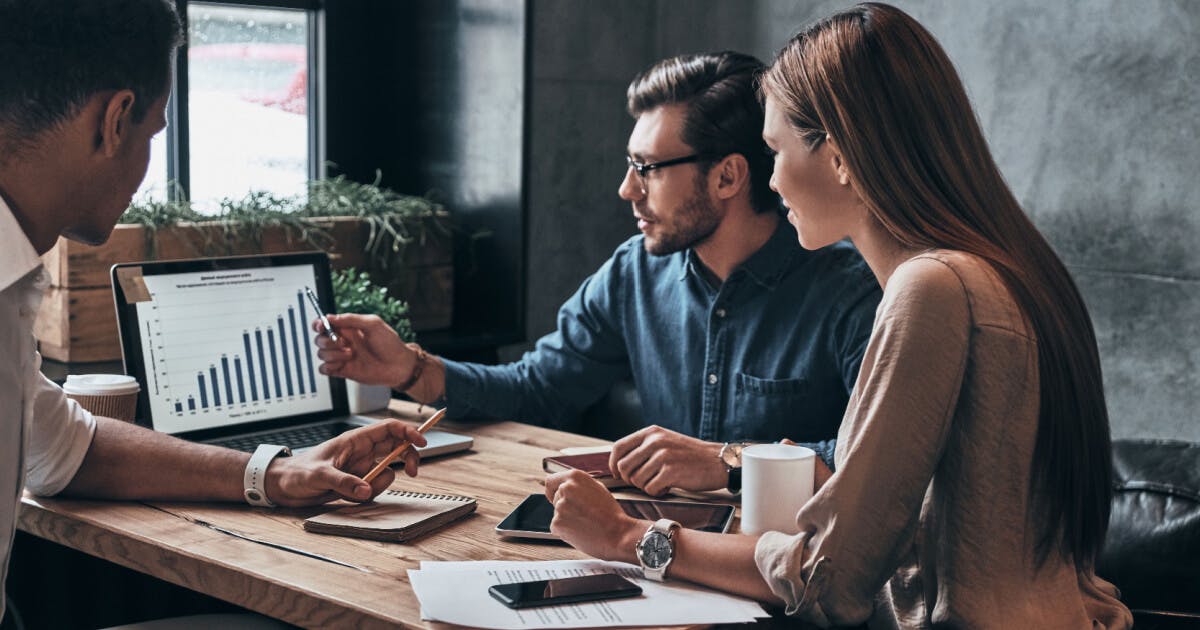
pixel 225 342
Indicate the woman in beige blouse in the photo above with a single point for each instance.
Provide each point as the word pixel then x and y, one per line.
pixel 973 462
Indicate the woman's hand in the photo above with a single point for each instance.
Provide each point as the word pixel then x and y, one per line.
pixel 588 518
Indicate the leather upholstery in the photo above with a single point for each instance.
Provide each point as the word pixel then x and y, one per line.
pixel 1152 552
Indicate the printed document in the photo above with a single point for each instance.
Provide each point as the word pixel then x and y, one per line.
pixel 457 592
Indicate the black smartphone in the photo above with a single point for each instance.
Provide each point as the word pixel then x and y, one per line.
pixel 532 518
pixel 585 588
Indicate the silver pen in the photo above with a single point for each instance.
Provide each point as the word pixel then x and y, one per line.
pixel 312 297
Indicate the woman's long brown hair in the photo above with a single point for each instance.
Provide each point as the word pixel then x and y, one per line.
pixel 882 88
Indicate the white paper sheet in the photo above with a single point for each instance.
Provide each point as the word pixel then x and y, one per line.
pixel 456 592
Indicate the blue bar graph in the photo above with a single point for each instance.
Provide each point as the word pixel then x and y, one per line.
pixel 237 368
pixel 296 351
pixel 212 372
pixel 287 369
pixel 203 393
pixel 291 369
pixel 312 379
pixel 228 387
pixel 262 364
pixel 274 363
pixel 250 365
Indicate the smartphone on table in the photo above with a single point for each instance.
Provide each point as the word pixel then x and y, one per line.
pixel 584 588
pixel 532 518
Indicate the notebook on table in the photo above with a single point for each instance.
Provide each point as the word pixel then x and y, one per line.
pixel 222 350
pixel 594 464
pixel 394 516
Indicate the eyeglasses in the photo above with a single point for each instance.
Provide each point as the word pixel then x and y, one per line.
pixel 643 168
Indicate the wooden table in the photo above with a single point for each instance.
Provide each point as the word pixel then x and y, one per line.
pixel 162 539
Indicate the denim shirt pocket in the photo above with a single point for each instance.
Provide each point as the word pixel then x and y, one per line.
pixel 766 406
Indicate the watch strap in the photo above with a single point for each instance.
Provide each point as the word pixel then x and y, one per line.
pixel 734 484
pixel 664 527
pixel 254 480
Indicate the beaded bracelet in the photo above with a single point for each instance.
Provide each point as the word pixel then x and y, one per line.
pixel 412 379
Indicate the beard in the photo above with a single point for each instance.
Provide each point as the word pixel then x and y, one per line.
pixel 693 221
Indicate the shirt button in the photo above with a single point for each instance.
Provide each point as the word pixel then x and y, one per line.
pixel 712 379
pixel 721 312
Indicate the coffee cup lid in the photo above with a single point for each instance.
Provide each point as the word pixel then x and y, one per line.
pixel 100 385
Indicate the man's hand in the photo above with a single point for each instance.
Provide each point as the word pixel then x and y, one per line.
pixel 334 469
pixel 656 459
pixel 588 518
pixel 367 350
pixel 821 472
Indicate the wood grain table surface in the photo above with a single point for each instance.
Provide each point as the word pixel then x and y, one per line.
pixel 166 540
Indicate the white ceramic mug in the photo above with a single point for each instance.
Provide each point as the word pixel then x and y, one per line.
pixel 110 395
pixel 777 479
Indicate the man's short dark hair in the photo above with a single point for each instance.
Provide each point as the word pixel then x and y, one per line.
pixel 56 54
pixel 724 114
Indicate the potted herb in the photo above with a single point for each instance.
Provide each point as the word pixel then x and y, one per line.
pixel 353 292
pixel 405 242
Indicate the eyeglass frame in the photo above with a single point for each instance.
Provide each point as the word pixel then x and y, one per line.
pixel 642 168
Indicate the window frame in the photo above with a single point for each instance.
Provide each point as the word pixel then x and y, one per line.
pixel 178 144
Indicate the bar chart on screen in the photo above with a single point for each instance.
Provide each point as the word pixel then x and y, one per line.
pixel 230 346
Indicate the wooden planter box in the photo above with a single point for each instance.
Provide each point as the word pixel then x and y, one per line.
pixel 78 323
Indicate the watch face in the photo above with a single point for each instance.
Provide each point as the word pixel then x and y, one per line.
pixel 732 455
pixel 656 550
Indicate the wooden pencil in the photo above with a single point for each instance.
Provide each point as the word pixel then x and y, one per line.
pixel 399 450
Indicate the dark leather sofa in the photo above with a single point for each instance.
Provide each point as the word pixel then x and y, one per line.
pixel 1152 552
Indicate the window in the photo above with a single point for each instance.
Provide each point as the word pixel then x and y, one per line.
pixel 248 120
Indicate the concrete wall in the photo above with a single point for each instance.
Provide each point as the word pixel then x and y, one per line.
pixel 1090 107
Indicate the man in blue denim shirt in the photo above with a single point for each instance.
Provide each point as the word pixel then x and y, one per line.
pixel 729 329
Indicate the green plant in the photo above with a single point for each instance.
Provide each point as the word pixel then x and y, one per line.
pixel 395 220
pixel 353 292
pixel 245 220
pixel 237 221
pixel 153 214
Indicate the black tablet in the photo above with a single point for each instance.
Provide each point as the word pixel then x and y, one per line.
pixel 532 518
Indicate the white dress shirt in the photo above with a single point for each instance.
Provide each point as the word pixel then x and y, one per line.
pixel 43 434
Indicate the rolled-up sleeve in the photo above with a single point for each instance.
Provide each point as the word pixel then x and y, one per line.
pixel 60 434
pixel 859 528
pixel 567 370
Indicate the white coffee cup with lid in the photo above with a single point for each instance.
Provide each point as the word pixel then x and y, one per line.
pixel 111 395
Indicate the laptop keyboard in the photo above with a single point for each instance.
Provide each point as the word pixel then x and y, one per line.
pixel 294 438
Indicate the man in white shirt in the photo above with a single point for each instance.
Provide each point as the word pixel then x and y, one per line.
pixel 85 87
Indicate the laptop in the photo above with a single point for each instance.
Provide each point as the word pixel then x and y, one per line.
pixel 223 352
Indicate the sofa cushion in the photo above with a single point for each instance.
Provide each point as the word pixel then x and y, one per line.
pixel 1152 552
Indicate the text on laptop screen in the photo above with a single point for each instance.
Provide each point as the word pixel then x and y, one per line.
pixel 229 347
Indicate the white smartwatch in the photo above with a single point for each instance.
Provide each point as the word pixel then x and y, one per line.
pixel 255 479
pixel 656 549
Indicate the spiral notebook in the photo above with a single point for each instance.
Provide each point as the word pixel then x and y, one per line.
pixel 394 516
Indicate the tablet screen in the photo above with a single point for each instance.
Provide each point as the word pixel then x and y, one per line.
pixel 535 513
